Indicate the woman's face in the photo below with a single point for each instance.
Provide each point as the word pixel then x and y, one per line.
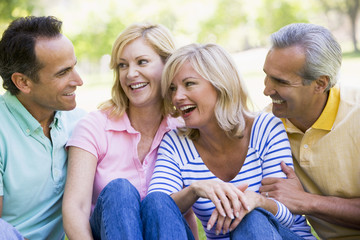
pixel 140 69
pixel 194 97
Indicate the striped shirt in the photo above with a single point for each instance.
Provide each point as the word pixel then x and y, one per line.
pixel 179 164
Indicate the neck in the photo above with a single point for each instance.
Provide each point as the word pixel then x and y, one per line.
pixel 44 117
pixel 312 114
pixel 145 120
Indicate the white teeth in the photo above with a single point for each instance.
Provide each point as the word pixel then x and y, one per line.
pixel 187 107
pixel 277 101
pixel 139 85
pixel 69 94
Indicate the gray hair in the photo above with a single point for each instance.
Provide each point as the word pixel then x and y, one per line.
pixel 322 52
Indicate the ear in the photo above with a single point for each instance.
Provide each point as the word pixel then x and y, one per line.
pixel 321 84
pixel 22 82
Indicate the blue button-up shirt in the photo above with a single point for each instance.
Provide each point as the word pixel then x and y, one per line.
pixel 33 169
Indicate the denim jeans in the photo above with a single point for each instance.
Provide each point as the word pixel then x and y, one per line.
pixel 8 232
pixel 120 214
pixel 260 224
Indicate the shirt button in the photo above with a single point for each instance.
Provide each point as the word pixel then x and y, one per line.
pixel 306 146
pixel 28 130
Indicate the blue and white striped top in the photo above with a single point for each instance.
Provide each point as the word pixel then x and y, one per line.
pixel 179 164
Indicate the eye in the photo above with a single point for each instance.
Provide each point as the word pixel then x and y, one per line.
pixel 122 65
pixel 172 88
pixel 142 61
pixel 189 83
pixel 64 72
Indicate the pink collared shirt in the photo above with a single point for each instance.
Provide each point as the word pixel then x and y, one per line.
pixel 114 143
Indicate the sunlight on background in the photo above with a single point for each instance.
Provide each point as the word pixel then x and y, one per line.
pixel 240 26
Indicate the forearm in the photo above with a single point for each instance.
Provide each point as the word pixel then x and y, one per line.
pixel 339 211
pixel 76 223
pixel 267 204
pixel 191 220
pixel 185 198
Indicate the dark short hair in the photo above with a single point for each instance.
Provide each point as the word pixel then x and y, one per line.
pixel 17 47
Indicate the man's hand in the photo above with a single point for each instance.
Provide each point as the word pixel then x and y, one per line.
pixel 288 191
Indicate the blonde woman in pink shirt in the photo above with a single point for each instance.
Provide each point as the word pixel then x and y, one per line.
pixel 112 151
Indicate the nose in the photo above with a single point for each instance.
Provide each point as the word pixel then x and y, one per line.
pixel 177 96
pixel 132 72
pixel 77 79
pixel 269 87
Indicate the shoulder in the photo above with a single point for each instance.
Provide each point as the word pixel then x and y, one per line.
pixel 173 123
pixel 265 128
pixel 350 94
pixel 266 121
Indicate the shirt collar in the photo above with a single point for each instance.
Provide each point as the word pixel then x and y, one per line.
pixel 26 121
pixel 327 117
pixel 124 124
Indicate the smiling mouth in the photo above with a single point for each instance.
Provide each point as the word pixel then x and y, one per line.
pixel 186 109
pixel 70 94
pixel 138 86
pixel 274 101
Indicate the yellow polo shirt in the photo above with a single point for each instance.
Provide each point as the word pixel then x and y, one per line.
pixel 327 155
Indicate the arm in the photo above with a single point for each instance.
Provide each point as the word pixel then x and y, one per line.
pixel 191 220
pixel 78 193
pixel 340 211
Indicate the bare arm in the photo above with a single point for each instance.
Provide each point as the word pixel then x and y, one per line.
pixel 340 211
pixel 191 220
pixel 78 193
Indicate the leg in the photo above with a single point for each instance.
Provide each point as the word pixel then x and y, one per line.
pixel 117 212
pixel 260 224
pixel 162 218
pixel 9 232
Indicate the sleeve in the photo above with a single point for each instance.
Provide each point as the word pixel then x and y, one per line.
pixel 167 176
pixel 1 176
pixel 275 148
pixel 89 134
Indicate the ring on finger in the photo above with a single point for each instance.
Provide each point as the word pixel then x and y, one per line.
pixel 266 194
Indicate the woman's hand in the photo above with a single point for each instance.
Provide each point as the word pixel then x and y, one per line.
pixel 226 224
pixel 228 199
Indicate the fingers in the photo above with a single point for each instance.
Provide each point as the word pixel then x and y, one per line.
pixel 243 187
pixel 212 220
pixel 287 170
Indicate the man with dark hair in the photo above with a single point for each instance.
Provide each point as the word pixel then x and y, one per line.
pixel 322 120
pixel 37 65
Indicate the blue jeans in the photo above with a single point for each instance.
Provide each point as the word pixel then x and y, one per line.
pixel 260 224
pixel 120 214
pixel 8 232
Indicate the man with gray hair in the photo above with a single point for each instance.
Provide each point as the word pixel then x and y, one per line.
pixel 322 120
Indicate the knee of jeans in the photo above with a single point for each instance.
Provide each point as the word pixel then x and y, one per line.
pixel 157 199
pixel 118 188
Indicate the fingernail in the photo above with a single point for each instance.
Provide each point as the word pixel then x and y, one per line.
pixel 217 232
pixel 248 207
pixel 237 214
pixel 230 229
pixel 231 216
pixel 208 227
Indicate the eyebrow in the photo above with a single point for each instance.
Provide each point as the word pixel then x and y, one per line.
pixel 66 69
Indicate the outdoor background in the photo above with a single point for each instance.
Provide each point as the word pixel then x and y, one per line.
pixel 240 26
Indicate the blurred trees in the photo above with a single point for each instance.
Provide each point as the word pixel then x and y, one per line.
pixel 351 9
pixel 11 9
pixel 235 24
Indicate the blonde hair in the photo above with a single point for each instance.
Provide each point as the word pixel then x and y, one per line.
pixel 157 36
pixel 214 64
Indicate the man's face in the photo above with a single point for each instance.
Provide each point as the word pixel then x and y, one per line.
pixel 290 98
pixel 57 79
